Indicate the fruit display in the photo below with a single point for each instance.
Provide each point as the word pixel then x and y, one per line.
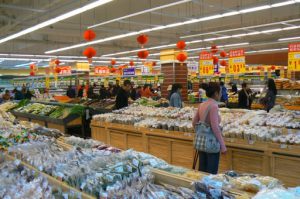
pixel 287 84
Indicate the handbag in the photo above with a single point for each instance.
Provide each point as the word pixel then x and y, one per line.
pixel 205 140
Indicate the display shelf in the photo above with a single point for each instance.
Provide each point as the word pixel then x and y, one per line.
pixel 259 157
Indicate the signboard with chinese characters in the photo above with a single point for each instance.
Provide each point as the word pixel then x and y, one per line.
pixel 294 57
pixel 206 64
pixel 65 70
pixel 236 61
pixel 128 72
pixel 101 70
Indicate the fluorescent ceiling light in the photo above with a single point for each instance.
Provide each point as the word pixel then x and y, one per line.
pixel 282 4
pixel 289 38
pixel 26 64
pixel 242 28
pixel 139 13
pixel 159 28
pixel 266 50
pixel 56 19
pixel 255 9
pixel 272 30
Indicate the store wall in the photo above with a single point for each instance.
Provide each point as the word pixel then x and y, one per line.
pixel 268 59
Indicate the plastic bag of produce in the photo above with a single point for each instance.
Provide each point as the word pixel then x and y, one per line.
pixel 277 193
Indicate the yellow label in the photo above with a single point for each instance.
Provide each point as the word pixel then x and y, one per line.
pixel 82 66
pixel 237 65
pixel 47 82
pixel 206 67
pixel 294 61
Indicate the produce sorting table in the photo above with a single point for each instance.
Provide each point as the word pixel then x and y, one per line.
pixel 271 159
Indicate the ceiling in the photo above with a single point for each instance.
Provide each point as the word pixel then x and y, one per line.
pixel 17 15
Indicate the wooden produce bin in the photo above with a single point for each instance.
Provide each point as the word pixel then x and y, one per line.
pixel 176 148
pixel 60 124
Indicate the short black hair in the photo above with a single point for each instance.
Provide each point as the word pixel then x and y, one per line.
pixel 212 88
pixel 127 82
pixel 221 83
pixel 244 84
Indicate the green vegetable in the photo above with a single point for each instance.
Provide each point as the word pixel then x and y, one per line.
pixel 77 110
pixel 22 103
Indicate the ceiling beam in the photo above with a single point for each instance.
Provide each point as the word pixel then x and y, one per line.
pixel 14 7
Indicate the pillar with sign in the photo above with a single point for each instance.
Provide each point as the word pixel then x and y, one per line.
pixel 173 72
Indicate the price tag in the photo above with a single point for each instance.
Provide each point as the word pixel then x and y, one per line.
pixel 283 146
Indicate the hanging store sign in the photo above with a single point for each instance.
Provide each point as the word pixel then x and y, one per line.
pixel 294 57
pixel 128 72
pixel 236 61
pixel 206 64
pixel 65 70
pixel 101 70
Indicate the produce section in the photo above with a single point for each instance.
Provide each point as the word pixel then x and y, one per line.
pixel 262 140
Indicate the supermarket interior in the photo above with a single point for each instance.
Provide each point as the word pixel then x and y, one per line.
pixel 150 99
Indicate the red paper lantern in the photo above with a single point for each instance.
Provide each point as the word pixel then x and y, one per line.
pixel 223 54
pixel 31 73
pixel 57 62
pixel 113 70
pixel 142 39
pixel 214 49
pixel 216 60
pixel 181 45
pixel 154 63
pixel 273 67
pixel 32 66
pixel 143 54
pixel 181 57
pixel 131 63
pixel 89 35
pixel 89 52
pixel 223 63
pixel 57 70
pixel 113 62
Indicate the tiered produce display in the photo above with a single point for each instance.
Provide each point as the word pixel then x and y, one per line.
pixel 91 169
pixel 264 141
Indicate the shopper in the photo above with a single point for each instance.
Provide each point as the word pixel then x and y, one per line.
pixel 269 100
pixel 234 88
pixel 175 99
pixel 116 88
pixel 90 92
pixel 123 95
pixel 133 92
pixel 18 94
pixel 28 95
pixel 146 92
pixel 80 91
pixel 103 92
pixel 224 96
pixel 245 97
pixel 169 89
pixel 6 96
pixel 202 92
pixel 209 162
pixel 138 92
pixel 71 92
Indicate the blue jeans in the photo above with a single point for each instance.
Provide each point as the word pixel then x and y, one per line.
pixel 209 162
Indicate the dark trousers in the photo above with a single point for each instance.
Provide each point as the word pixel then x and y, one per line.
pixel 209 162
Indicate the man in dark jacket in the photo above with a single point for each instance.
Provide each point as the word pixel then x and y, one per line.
pixel 123 95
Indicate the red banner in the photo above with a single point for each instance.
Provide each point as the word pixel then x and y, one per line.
pixel 237 53
pixel 295 47
pixel 205 55
pixel 101 70
pixel 65 70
